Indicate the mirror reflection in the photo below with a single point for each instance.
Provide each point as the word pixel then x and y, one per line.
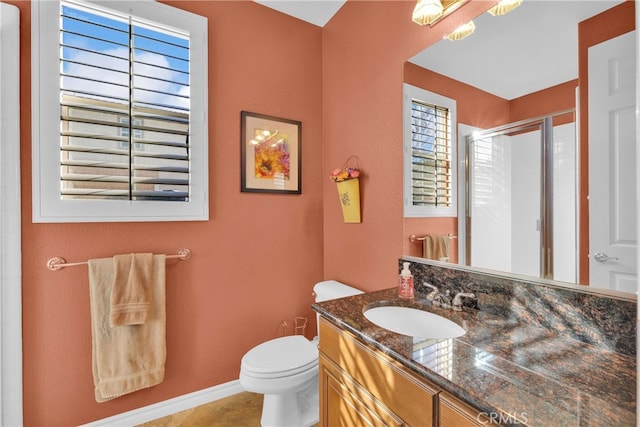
pixel 545 159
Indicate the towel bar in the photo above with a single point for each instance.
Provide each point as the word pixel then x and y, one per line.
pixel 58 263
pixel 413 237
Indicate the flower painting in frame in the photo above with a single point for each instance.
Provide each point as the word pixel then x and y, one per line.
pixel 270 154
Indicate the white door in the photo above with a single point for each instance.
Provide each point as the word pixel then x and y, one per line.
pixel 612 164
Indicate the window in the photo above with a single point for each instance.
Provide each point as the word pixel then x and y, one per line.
pixel 131 133
pixel 125 130
pixel 429 154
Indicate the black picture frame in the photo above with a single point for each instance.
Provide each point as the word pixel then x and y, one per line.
pixel 271 154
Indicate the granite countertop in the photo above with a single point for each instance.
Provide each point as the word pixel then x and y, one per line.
pixel 529 374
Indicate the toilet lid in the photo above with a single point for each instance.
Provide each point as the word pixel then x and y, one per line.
pixel 281 356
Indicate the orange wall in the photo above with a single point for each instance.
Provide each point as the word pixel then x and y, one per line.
pixel 546 101
pixel 254 262
pixel 475 107
pixel 364 48
pixel 609 24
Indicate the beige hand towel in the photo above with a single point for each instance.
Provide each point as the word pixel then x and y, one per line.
pixel 130 290
pixel 435 247
pixel 130 357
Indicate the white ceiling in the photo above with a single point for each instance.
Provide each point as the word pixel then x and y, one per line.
pixel 317 12
pixel 531 48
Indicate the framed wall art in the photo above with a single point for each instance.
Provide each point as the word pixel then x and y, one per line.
pixel 270 154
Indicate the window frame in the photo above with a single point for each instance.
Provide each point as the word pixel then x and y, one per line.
pixel 411 93
pixel 48 206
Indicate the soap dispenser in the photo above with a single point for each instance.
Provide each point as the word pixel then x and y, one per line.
pixel 405 285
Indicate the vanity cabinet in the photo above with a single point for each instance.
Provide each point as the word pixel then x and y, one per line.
pixel 360 386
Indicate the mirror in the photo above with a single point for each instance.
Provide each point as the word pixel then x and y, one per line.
pixel 513 57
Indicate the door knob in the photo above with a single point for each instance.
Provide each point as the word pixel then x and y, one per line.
pixel 602 257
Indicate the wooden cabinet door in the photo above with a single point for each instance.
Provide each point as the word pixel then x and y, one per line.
pixel 454 413
pixel 344 403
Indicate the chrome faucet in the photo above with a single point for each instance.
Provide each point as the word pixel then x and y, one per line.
pixel 433 293
pixel 443 300
pixel 457 300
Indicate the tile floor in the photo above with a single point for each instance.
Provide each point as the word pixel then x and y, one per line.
pixel 240 410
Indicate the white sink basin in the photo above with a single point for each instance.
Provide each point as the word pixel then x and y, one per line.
pixel 413 322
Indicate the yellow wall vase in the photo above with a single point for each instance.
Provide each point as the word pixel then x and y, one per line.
pixel 349 193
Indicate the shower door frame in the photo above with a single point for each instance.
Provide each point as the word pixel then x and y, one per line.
pixel 545 125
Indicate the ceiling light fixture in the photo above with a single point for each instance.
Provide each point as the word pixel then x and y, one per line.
pixel 504 7
pixel 462 31
pixel 427 11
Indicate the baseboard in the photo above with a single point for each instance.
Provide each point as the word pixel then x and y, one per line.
pixel 171 406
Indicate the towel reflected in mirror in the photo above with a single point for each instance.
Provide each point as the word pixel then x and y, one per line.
pixel 436 247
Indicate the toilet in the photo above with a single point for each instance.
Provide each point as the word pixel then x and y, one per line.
pixel 285 370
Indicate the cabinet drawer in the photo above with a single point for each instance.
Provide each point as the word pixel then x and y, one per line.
pixel 403 393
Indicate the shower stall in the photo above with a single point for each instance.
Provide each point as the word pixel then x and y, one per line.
pixel 520 197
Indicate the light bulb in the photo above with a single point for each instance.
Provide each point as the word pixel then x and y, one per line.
pixel 504 7
pixel 462 31
pixel 426 11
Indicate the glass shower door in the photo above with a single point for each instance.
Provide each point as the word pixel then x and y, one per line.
pixel 521 199
pixel 504 205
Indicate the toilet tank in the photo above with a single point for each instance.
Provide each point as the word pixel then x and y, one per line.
pixel 331 289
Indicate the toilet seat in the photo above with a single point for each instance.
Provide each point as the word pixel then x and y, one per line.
pixel 280 357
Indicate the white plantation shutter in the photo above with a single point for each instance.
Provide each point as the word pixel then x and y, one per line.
pixel 430 155
pixel 430 159
pixel 120 133
pixel 124 101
